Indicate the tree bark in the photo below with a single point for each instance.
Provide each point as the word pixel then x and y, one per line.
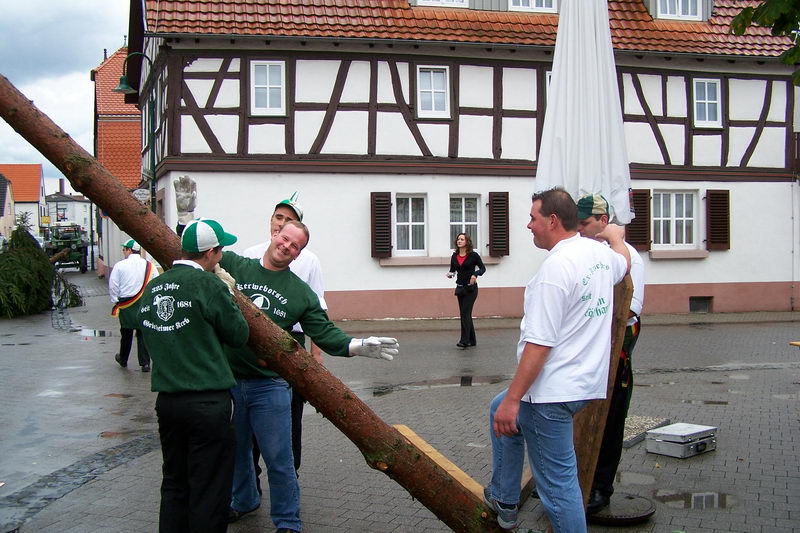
pixel 383 447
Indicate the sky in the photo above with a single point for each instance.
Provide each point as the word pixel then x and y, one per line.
pixel 47 50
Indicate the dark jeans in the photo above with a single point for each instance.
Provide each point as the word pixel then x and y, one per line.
pixel 466 301
pixel 297 433
pixel 126 342
pixel 197 443
pixel 614 433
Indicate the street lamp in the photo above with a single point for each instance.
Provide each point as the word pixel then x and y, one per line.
pixel 125 88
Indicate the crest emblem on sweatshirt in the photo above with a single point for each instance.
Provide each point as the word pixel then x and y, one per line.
pixel 260 301
pixel 165 306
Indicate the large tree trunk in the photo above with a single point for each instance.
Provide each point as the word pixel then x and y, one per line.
pixel 383 447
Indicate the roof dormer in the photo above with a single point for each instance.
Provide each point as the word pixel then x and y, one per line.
pixel 684 10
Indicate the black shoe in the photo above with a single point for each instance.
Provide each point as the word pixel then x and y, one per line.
pixel 234 515
pixel 118 359
pixel 597 501
pixel 146 368
pixel 461 345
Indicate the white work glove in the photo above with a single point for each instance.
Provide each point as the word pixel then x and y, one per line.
pixel 185 198
pixel 376 347
pixel 222 274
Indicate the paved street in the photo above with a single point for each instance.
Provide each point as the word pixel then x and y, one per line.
pixel 79 452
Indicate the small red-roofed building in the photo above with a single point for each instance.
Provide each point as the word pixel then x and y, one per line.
pixel 403 122
pixel 28 194
pixel 6 208
pixel 118 146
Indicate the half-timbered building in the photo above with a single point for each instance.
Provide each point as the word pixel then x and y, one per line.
pixel 403 122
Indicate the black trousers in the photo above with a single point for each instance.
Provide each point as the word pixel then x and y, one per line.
pixel 126 342
pixel 197 444
pixel 466 301
pixel 614 433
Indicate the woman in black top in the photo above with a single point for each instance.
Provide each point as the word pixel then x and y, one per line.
pixel 466 265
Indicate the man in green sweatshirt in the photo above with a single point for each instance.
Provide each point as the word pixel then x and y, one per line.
pixel 188 317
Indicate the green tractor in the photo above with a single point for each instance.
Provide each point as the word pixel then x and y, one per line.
pixel 68 246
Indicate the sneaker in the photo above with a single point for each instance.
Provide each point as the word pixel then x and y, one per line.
pixel 146 368
pixel 506 515
pixel 118 359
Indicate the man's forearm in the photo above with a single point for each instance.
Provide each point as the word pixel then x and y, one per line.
pixel 528 369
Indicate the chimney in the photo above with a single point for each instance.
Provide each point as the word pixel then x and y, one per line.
pixel 61 185
pixel 105 54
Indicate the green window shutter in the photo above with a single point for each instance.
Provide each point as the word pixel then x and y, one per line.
pixel 498 224
pixel 718 216
pixel 381 207
pixel 637 233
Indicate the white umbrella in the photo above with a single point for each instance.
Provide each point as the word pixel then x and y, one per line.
pixel 583 141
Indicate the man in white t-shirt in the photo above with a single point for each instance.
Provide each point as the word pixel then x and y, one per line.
pixel 307 268
pixel 593 214
pixel 562 363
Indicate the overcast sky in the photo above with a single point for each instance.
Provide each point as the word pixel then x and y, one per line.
pixel 47 50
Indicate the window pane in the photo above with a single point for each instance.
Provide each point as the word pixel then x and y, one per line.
pixel 275 75
pixel 455 210
pixel 657 205
pixel 426 101
pixel 417 210
pixel 472 231
pixel 689 232
pixel 417 237
pixel 454 231
pixel 712 112
pixel 678 205
pixel 667 208
pixel 689 205
pixel 438 80
pixel 402 238
pixel 679 231
pixel 711 90
pixel 261 74
pixel 439 101
pixel 471 209
pixel 261 97
pixel 402 209
pixel 656 232
pixel 275 97
pixel 700 90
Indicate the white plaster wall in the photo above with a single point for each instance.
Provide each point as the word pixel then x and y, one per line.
pixel 755 254
pixel 651 87
pixel 476 86
pixel 437 137
pixel 200 90
pixel 204 65
pixel 356 86
pixel 777 110
pixel 475 136
pixel 226 129
pixel 642 145
pixel 518 139
pixel 348 134
pixel 630 101
pixel 738 141
pixel 228 94
pixel 267 139
pixel 306 128
pixel 393 136
pixel 707 150
pixel 519 89
pixel 745 99
pixel 675 140
pixel 235 65
pixel 385 90
pixel 315 80
pixel 676 97
pixel 192 141
pixel 771 149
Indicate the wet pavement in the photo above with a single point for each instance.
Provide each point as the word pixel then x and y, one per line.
pixel 79 450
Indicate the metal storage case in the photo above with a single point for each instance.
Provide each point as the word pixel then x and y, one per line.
pixel 681 440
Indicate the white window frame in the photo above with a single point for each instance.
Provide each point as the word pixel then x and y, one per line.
pixel 673 9
pixel 422 113
pixel 674 222
pixel 397 224
pixel 267 111
pixel 717 123
pixel 476 234
pixel 539 6
pixel 443 3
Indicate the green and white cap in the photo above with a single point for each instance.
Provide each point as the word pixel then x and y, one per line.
pixel 592 204
pixel 291 202
pixel 132 245
pixel 204 234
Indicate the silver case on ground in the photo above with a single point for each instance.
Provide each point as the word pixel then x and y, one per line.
pixel 681 440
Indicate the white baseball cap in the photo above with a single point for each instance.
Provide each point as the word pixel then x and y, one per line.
pixel 204 234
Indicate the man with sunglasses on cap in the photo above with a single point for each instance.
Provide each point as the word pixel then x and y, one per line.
pixel 307 268
pixel 125 287
pixel 593 218
pixel 262 398
pixel 187 317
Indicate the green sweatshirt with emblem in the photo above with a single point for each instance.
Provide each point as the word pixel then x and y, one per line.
pixel 187 317
pixel 286 300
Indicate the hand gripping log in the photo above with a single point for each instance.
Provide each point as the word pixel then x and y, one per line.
pixel 383 447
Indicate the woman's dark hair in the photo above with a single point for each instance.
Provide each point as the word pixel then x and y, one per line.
pixel 467 238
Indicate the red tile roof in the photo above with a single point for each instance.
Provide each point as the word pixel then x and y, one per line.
pixel 119 150
pixel 26 180
pixel 106 77
pixel 632 27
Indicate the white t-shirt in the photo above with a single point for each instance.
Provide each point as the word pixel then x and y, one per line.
pixel 637 277
pixel 127 277
pixel 569 307
pixel 305 267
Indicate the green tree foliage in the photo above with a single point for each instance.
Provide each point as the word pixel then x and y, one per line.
pixel 27 278
pixel 782 17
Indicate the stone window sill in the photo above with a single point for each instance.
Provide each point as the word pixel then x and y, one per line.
pixel 678 254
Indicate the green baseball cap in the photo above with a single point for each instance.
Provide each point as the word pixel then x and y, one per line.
pixel 204 234
pixel 592 204
pixel 132 245
pixel 291 203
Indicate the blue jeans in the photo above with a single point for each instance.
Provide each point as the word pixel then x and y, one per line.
pixel 546 428
pixel 263 407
